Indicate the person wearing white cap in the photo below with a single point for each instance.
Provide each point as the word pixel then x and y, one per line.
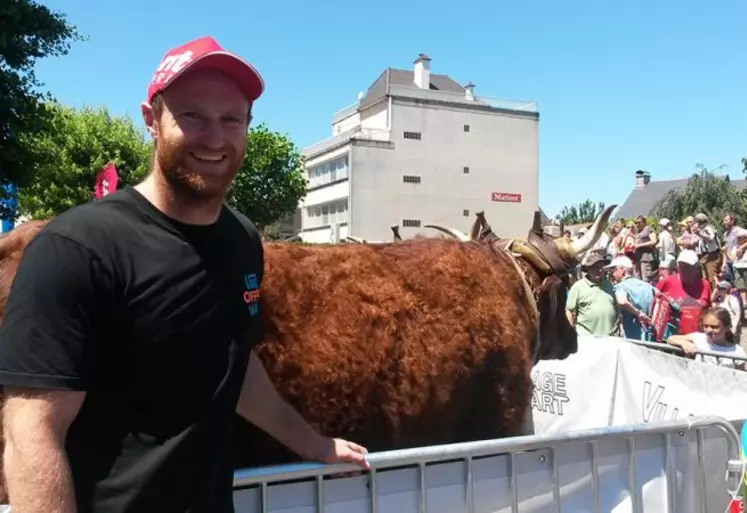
pixel 634 298
pixel 667 267
pixel 688 290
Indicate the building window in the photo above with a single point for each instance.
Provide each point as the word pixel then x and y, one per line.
pixel 328 172
pixel 411 223
pixel 329 213
pixel 465 212
pixel 466 170
pixel 412 135
pixel 410 179
pixel 466 128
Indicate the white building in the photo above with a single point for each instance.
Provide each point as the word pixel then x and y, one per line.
pixel 419 148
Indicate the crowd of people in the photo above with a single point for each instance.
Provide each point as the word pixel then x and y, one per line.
pixel 695 272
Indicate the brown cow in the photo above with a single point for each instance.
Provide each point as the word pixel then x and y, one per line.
pixel 419 342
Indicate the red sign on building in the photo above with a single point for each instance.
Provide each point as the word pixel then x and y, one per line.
pixel 505 197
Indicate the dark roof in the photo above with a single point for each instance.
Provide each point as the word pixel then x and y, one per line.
pixel 642 201
pixel 402 77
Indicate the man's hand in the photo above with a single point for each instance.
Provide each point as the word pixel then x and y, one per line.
pixel 644 319
pixel 337 450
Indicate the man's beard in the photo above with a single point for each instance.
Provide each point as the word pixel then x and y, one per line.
pixel 187 185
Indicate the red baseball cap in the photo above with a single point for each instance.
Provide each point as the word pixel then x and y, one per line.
pixel 205 52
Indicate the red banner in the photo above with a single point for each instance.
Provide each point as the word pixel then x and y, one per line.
pixel 106 181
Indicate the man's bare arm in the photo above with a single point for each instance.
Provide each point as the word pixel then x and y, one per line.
pixel 571 316
pixel 35 423
pixel 261 405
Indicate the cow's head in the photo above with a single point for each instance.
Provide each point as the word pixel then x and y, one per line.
pixel 545 263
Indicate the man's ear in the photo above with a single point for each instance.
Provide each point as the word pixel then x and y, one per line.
pixel 149 119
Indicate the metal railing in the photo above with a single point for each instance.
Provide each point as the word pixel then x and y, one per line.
pixel 591 470
pixel 698 353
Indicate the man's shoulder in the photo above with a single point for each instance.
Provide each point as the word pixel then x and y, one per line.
pixel 243 220
pixel 607 286
pixel 89 221
pixel 623 285
pixel 579 284
pixel 639 283
pixel 242 225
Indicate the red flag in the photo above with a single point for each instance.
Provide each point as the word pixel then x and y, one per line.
pixel 106 181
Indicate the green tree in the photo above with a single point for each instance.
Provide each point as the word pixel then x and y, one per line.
pixel 28 32
pixel 271 181
pixel 585 212
pixel 705 192
pixel 75 147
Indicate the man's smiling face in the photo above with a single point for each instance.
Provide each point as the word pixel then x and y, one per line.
pixel 200 126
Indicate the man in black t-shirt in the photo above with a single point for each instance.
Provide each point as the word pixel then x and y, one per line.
pixel 126 347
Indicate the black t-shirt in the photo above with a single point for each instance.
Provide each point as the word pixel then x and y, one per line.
pixel 155 320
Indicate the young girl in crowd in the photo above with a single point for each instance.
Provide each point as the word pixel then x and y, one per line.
pixel 714 335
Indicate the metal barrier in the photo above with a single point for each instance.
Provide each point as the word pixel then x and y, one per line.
pixel 678 351
pixel 673 466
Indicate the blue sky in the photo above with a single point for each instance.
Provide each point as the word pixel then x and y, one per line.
pixel 621 86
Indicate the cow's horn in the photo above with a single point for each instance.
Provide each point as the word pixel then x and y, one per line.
pixel 580 246
pixel 478 225
pixel 395 231
pixel 449 231
pixel 357 240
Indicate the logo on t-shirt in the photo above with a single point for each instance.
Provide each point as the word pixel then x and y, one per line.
pixel 251 293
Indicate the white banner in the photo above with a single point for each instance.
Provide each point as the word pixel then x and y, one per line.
pixel 612 382
pixel 575 393
pixel 654 386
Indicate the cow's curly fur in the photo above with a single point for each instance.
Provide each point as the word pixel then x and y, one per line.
pixel 416 343
pixel 12 245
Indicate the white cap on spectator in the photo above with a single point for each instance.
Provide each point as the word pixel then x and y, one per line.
pixel 688 256
pixel 620 261
pixel 664 221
